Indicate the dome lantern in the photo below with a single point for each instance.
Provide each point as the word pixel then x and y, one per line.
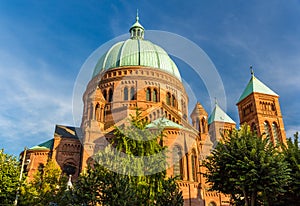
pixel 137 30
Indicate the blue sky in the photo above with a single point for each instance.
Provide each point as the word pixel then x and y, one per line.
pixel 43 45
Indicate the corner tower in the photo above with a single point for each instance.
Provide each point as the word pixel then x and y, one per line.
pixel 219 122
pixel 259 107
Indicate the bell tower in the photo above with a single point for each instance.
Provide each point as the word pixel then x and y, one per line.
pixel 259 107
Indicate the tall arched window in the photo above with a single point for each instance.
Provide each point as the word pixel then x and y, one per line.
pixel 168 98
pixel 105 94
pixel 275 132
pixel 267 128
pixel 155 99
pixel 69 168
pixel 203 124
pixel 110 95
pixel 97 112
pixel 194 165
pixel 125 93
pixel 197 125
pixel 177 162
pixel 148 94
pixel 253 127
pixel 132 94
pixel 173 101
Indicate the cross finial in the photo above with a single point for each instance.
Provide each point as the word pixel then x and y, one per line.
pixel 216 101
pixel 251 69
pixel 137 15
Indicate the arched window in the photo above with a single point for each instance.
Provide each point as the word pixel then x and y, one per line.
pixel 105 94
pixel 212 204
pixel 168 98
pixel 69 168
pixel 97 112
pixel 197 126
pixel 253 127
pixel 132 93
pixel 173 101
pixel 177 162
pixel 125 93
pixel 275 132
pixel 203 124
pixel 194 165
pixel 155 99
pixel 110 95
pixel 148 94
pixel 267 128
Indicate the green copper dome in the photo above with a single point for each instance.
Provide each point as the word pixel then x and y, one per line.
pixel 136 52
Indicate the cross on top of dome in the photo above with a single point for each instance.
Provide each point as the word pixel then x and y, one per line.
pixel 137 30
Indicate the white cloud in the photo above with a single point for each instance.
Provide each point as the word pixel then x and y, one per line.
pixel 32 102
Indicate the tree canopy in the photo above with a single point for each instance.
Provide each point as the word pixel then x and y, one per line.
pixel 48 186
pixel 248 167
pixel 292 156
pixel 130 171
pixel 9 178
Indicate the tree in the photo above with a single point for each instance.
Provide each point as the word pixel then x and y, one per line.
pixel 48 186
pixel 249 167
pixel 292 156
pixel 130 171
pixel 9 178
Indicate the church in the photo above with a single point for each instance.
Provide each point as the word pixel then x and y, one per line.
pixel 137 73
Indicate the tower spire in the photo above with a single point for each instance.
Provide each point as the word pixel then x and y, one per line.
pixel 137 30
pixel 137 15
pixel 251 70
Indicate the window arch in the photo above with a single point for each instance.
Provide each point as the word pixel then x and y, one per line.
pixel 177 162
pixel 148 94
pixel 110 95
pixel 125 93
pixel 197 126
pixel 253 127
pixel 194 165
pixel 275 132
pixel 105 94
pixel 97 112
pixel 168 98
pixel 132 94
pixel 203 124
pixel 267 128
pixel 173 101
pixel 212 204
pixel 69 167
pixel 155 95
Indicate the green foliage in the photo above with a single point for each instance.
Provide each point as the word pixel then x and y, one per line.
pixel 9 178
pixel 47 186
pixel 292 156
pixel 131 172
pixel 248 167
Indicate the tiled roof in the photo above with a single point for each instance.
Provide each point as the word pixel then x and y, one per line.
pixel 66 131
pixel 218 115
pixel 255 85
pixel 60 130
pixel 165 123
pixel 48 145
